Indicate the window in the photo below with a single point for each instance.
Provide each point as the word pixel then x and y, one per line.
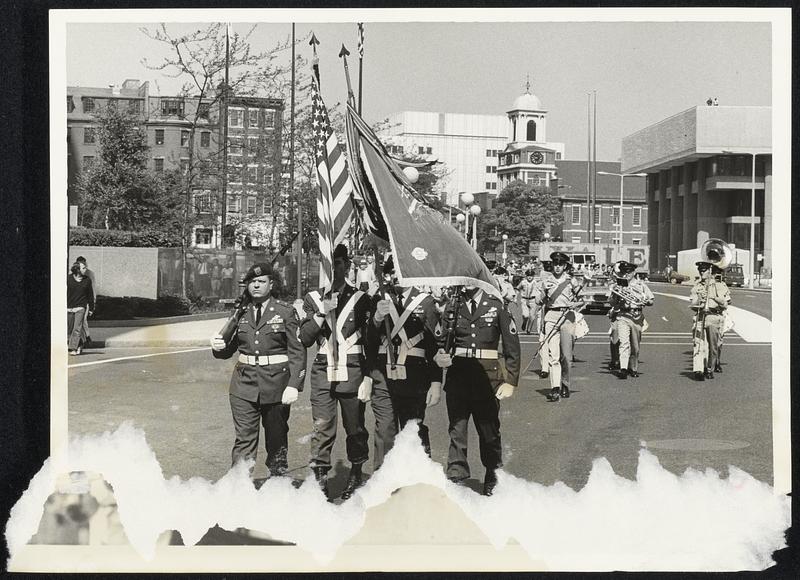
pixel 252 174
pixel 204 111
pixel 576 214
pixel 159 136
pixel 267 205
pixel 88 160
pixel 615 240
pixel 615 216
pixel 89 136
pixel 158 163
pixel 234 203
pixel 531 133
pixel 252 145
pixel 202 236
pixel 251 205
pixel 269 117
pixel 202 202
pixel 558 155
pixel 172 107
pixel 637 217
pixel 421 150
pixel 235 118
pixel 205 139
pixel 429 150
pixel 184 138
pixel 488 153
pixel 488 169
pixel 268 177
pixel 184 166
pixel 488 185
pixel 493 185
pixel 234 173
pixel 252 117
pixel 70 104
pixel 235 145
pixel 636 241
pixel 596 240
pixel 88 104
pixel 597 216
pixel 575 240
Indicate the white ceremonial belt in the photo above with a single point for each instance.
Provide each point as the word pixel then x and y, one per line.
pixel 263 360
pixel 355 349
pixel 409 352
pixel 476 353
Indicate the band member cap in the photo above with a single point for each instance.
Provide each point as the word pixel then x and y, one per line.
pixel 256 270
pixel 559 258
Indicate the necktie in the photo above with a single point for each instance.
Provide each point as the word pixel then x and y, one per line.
pixel 472 306
pixel 258 313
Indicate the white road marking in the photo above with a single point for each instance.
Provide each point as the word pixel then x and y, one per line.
pixel 655 343
pixel 108 360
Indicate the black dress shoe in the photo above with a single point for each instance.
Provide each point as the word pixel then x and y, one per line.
pixel 321 475
pixel 708 375
pixel 613 366
pixel 565 392
pixel 353 481
pixel 699 376
pixel 622 374
pixel 543 374
pixel 717 368
pixel 633 374
pixel 554 395
pixel 489 483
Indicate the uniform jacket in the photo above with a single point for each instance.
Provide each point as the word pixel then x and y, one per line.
pixel 357 322
pixel 276 333
pixel 528 290
pixel 483 328
pixel 422 320
pixel 717 292
pixel 571 292
pixel 621 308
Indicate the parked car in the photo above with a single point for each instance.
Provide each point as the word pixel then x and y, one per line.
pixel 596 293
pixel 734 275
pixel 673 277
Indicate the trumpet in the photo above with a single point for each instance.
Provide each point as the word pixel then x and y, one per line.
pixel 633 299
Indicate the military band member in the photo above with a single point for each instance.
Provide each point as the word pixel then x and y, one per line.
pixel 545 273
pixel 709 299
pixel 528 288
pixel 560 297
pixel 342 380
pixel 269 371
pixel 727 323
pixel 629 296
pixel 401 391
pixel 475 384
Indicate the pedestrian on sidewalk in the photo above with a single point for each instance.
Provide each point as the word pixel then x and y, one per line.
pixel 227 280
pixel 89 274
pixel 80 304
pixel 269 373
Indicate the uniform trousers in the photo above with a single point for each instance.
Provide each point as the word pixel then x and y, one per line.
pixel 529 309
pixel 275 418
pixel 713 336
pixel 558 348
pixel 470 393
pixel 613 336
pixel 325 404
pixel 630 337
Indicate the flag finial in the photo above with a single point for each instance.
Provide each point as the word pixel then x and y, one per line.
pixel 528 84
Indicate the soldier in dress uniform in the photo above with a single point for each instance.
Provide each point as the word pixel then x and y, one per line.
pixel 560 298
pixel 629 296
pixel 269 371
pixel 709 299
pixel 340 373
pixel 528 288
pixel 545 273
pixel 401 391
pixel 475 383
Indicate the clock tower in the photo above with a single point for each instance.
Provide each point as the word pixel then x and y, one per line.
pixel 528 157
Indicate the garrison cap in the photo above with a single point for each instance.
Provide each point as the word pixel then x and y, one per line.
pixel 547 265
pixel 500 270
pixel 256 270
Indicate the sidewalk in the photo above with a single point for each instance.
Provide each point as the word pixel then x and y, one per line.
pixel 186 333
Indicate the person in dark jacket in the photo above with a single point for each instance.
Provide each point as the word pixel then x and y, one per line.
pixel 80 303
pixel 269 373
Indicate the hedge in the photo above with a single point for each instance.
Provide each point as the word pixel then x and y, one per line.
pixel 79 236
pixel 127 307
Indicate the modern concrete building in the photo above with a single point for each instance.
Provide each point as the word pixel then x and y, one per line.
pixel 254 152
pixel 699 165
pixel 572 184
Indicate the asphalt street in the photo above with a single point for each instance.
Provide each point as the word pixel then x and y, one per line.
pixel 180 399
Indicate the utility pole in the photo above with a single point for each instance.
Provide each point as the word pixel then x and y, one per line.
pixel 594 164
pixel 589 239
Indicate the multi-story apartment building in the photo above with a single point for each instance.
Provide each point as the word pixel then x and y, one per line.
pixel 253 153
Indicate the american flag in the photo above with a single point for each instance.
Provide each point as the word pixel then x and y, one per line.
pixel 334 203
pixel 361 39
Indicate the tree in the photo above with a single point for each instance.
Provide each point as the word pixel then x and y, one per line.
pixel 116 190
pixel 522 211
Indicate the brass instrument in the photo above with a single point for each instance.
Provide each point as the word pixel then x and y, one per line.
pixel 633 299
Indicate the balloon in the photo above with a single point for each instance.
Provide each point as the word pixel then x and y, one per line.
pixel 411 174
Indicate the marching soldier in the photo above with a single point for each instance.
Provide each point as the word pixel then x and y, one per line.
pixel 340 372
pixel 406 384
pixel 269 371
pixel 475 384
pixel 528 288
pixel 727 322
pixel 560 297
pixel 629 296
pixel 709 299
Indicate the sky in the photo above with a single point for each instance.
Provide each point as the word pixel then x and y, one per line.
pixel 643 72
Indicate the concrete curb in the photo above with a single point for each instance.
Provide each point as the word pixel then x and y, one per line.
pixel 136 322
pixel 133 343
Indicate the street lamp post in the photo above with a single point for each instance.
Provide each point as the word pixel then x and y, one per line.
pixel 622 177
pixel 475 210
pixel 467 199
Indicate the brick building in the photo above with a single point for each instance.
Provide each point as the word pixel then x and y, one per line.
pixel 254 151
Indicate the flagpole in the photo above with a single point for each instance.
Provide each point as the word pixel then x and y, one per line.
pixel 291 181
pixel 224 102
pixel 360 63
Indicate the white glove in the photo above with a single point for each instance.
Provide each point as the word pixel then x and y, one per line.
pixel 382 310
pixel 365 390
pixel 330 304
pixel 504 391
pixel 290 395
pixel 434 394
pixel 442 359
pixel 217 342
